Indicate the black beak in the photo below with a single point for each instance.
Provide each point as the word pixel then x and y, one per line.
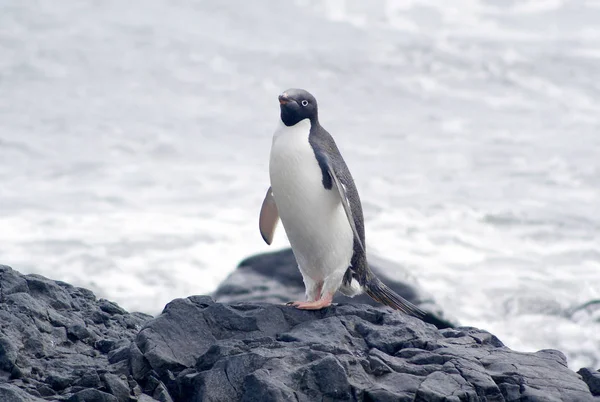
pixel 283 99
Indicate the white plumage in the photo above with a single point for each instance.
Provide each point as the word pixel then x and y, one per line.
pixel 312 216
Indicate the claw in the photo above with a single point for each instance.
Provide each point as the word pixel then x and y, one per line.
pixel 323 302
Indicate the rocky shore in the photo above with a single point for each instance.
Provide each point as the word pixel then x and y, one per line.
pixel 59 342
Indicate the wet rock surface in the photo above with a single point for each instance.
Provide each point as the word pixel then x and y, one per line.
pixel 58 342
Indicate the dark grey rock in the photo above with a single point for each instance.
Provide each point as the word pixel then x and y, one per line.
pixel 111 307
pixel 161 394
pixel 45 390
pixel 261 386
pixel 11 393
pixel 117 387
pixel 201 350
pixel 275 278
pixel 58 382
pixel 117 355
pixel 89 379
pixel 146 398
pixel 592 379
pixel 8 355
pixel 92 395
pixel 48 337
pixel 105 345
pixel 78 332
pixel 57 342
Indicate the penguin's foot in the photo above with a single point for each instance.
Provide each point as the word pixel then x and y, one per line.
pixel 323 302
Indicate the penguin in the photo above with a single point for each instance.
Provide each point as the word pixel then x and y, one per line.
pixel 313 194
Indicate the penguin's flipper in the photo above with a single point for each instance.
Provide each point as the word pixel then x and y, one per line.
pixel 346 204
pixel 269 216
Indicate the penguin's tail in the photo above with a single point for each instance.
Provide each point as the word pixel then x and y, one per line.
pixel 378 291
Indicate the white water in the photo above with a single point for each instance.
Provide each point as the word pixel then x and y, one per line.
pixel 134 143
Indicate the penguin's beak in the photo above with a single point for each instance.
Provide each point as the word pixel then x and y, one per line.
pixel 283 99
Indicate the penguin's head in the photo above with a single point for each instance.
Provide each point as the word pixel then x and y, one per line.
pixel 297 105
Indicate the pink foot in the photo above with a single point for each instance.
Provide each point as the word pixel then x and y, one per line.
pixel 323 302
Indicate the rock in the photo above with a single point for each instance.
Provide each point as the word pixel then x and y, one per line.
pixel 92 395
pixel 201 350
pixel 105 345
pixel 592 379
pixel 48 338
pixel 161 394
pixel 117 355
pixel 58 382
pixel 8 355
pixel 110 307
pixel 89 379
pixel 11 393
pixel 78 332
pixel 275 278
pixel 117 387
pixel 146 398
pixel 58 342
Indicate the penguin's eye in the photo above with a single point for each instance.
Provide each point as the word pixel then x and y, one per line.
pixel 304 102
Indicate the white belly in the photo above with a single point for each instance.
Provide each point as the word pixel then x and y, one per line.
pixel 313 217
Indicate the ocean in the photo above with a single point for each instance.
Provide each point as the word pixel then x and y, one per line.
pixel 134 143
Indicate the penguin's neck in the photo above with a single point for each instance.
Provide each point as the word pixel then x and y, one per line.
pixel 291 152
pixel 298 132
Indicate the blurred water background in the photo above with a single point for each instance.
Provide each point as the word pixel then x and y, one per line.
pixel 134 142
